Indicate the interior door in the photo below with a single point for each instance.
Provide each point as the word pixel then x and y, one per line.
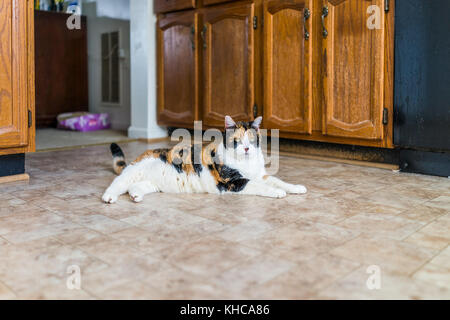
pixel 288 45
pixel 229 58
pixel 13 74
pixel 354 77
pixel 178 68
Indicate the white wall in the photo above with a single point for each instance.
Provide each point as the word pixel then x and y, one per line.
pixel 116 9
pixel 120 113
pixel 143 71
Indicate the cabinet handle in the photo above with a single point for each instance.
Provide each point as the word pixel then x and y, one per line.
pixel 193 37
pixel 324 15
pixel 203 33
pixel 306 15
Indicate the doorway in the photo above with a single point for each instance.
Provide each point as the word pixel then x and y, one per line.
pixel 82 72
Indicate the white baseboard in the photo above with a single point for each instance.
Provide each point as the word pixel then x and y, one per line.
pixel 145 133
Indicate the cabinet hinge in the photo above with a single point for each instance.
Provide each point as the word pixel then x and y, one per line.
pixel 30 119
pixel 255 111
pixel 385 116
pixel 306 15
pixel 387 5
pixel 255 22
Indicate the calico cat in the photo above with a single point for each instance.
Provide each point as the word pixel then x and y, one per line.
pixel 235 165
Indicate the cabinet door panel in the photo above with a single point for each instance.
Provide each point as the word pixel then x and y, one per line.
pixel 228 64
pixel 177 69
pixel 13 74
pixel 354 76
pixel 288 66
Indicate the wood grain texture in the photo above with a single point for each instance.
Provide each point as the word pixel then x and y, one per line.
pixel 228 63
pixel 31 78
pixel 287 66
pixel 212 2
pixel 360 89
pixel 61 67
pixel 354 77
pixel 29 89
pixel 161 6
pixel 13 74
pixel 178 68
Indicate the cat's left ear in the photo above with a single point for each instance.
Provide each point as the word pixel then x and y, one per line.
pixel 257 123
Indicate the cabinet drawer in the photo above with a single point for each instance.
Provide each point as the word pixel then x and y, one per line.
pixel 173 5
pixel 211 2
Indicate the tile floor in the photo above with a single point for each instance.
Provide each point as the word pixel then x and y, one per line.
pixel 48 139
pixel 318 245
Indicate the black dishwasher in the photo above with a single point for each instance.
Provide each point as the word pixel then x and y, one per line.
pixel 422 86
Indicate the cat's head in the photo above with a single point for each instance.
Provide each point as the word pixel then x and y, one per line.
pixel 242 138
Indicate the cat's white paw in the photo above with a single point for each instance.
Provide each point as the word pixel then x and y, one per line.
pixel 297 189
pixel 109 198
pixel 278 193
pixel 136 197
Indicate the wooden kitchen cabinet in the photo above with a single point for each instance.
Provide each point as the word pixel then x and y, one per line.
pixel 354 70
pixel 161 6
pixel 228 63
pixel 313 68
pixel 288 66
pixel 178 58
pixel 16 77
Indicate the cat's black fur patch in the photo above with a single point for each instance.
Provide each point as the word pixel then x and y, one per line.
pixel 178 166
pixel 196 158
pixel 116 150
pixel 163 156
pixel 121 163
pixel 230 179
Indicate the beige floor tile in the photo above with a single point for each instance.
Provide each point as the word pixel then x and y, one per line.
pixel 303 281
pixel 300 241
pixel 440 202
pixel 133 290
pixel 208 255
pixel 251 273
pixel 245 230
pixel 6 293
pixel 428 241
pixel 110 250
pixel 395 227
pixel 439 228
pixel 100 223
pixel 34 225
pixel 78 235
pixel 175 284
pixel 354 286
pixel 390 255
pixel 3 242
pixel 54 292
pixel 394 198
pixel 438 275
pixel 423 213
pixel 443 258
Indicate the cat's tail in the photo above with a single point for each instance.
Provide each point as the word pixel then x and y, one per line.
pixel 118 158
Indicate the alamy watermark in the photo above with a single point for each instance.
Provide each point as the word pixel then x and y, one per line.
pixel 374 280
pixel 73 281
pixel 74 20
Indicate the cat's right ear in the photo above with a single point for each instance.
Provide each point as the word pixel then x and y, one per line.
pixel 229 123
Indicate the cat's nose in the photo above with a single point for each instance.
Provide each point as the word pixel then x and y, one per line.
pixel 246 149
